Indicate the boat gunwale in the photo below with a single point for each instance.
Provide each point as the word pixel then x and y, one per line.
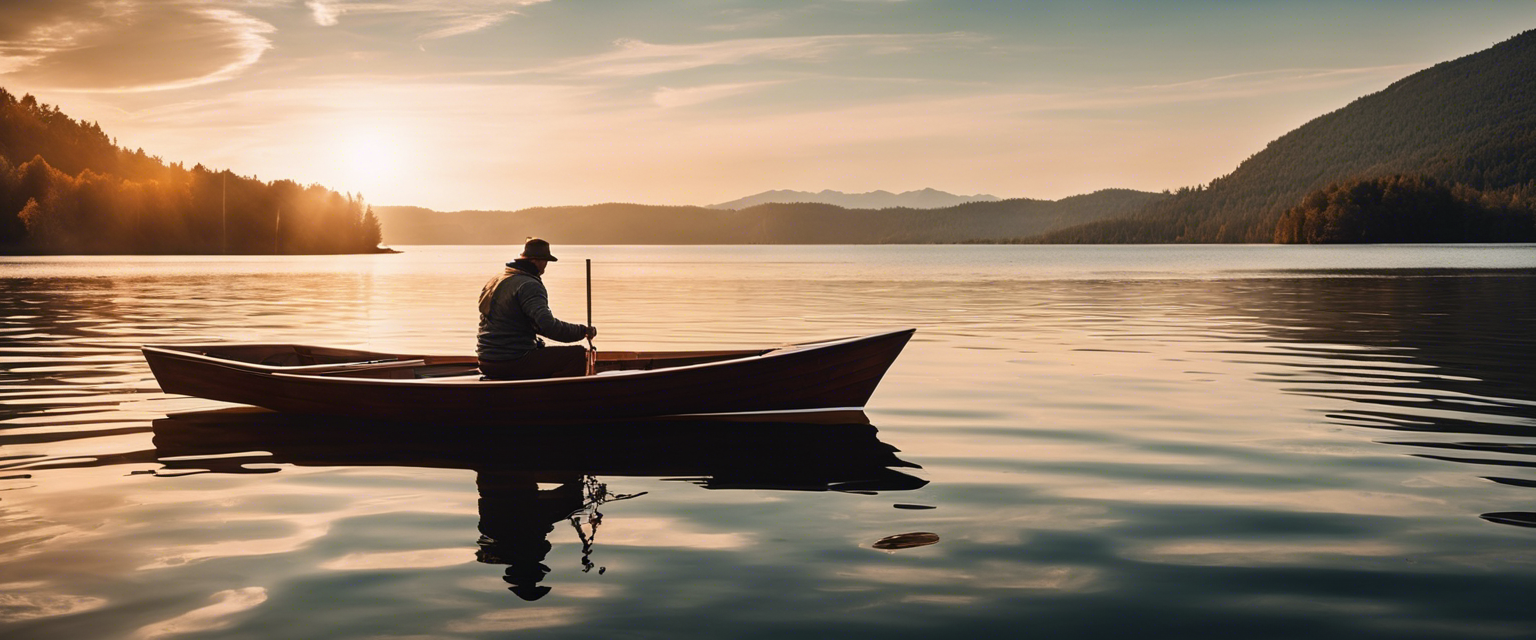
pixel 182 351
pixel 279 371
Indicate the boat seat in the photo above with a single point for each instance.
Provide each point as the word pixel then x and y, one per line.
pixel 462 376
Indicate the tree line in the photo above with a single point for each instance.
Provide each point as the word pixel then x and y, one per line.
pixel 67 188
pixel 1409 209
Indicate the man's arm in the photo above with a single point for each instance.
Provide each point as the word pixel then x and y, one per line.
pixel 534 300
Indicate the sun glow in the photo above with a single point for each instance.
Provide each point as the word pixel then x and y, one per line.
pixel 369 160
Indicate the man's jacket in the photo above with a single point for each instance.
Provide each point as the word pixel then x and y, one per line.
pixel 514 311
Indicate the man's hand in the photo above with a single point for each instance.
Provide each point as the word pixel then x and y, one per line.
pixel 591 332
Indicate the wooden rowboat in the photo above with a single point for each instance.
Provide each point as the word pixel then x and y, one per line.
pixel 830 374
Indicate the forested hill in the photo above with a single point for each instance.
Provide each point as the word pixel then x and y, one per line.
pixel 1469 122
pixel 65 187
pixel 801 223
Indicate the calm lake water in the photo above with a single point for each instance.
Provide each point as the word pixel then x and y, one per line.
pixel 1329 442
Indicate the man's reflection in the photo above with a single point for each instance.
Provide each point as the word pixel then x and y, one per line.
pixel 516 518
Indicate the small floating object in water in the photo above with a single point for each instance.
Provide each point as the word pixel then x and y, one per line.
pixel 901 505
pixel 1517 518
pixel 907 540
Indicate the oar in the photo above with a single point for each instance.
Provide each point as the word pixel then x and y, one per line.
pixel 591 350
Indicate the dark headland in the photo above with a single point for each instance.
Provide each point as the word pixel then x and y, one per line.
pixel 67 188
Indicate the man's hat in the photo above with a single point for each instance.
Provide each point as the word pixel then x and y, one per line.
pixel 538 249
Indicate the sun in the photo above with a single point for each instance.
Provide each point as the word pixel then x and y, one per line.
pixel 370 160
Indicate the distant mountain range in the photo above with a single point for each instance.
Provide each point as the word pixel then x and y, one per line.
pixel 922 199
pixel 1469 123
pixel 773 223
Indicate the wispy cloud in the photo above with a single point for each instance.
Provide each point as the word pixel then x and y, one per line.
pixel 325 14
pixel 127 45
pixel 444 18
pixel 1258 83
pixel 669 97
pixel 746 20
pixel 635 58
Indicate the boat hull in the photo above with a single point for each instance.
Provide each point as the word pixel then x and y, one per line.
pixel 835 374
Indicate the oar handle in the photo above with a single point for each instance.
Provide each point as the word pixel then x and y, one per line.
pixel 591 350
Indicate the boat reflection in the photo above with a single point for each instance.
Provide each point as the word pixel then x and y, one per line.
pixel 531 481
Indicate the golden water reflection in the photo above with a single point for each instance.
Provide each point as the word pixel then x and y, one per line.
pixel 531 481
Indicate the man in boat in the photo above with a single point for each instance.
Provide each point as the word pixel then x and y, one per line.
pixel 514 312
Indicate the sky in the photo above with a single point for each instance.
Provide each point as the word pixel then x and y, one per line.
pixel 505 104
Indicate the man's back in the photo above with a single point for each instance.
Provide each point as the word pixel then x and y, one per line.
pixel 506 330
